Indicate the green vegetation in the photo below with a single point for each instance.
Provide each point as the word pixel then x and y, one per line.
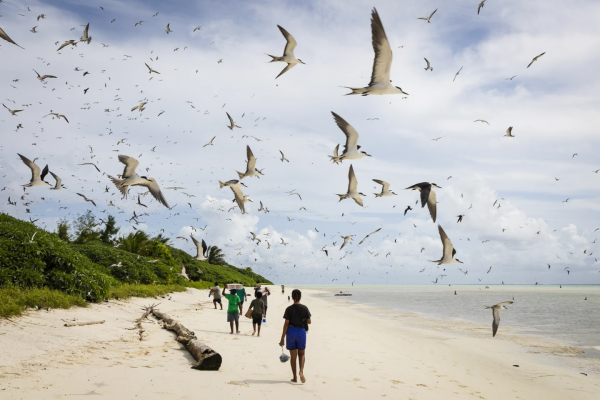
pixel 60 270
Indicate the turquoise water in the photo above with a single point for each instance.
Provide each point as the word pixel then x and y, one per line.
pixel 557 313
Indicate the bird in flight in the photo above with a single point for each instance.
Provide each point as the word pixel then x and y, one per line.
pixel 429 67
pixel 41 78
pixel 37 174
pixel 385 189
pixel 231 123
pixel 131 178
pixel 150 70
pixel 482 121
pixel 380 76
pixel 509 132
pixel 428 19
pixel 427 196
pixel 288 53
pixel 351 148
pixel 448 250
pixel 4 36
pixel 455 75
pixel 535 59
pixel 480 6
pixel 13 112
pixel 496 313
pixel 353 192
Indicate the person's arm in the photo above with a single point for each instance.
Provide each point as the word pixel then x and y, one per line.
pixel 251 305
pixel 285 328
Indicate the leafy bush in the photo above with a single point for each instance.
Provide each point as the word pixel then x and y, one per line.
pixel 14 300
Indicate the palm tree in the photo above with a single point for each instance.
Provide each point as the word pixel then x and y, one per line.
pixel 215 256
pixel 162 239
pixel 135 242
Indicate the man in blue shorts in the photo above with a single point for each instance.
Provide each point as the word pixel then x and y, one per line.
pixel 297 318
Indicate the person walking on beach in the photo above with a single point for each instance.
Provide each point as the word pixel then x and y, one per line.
pixel 282 289
pixel 297 318
pixel 232 309
pixel 265 299
pixel 216 293
pixel 242 295
pixel 258 311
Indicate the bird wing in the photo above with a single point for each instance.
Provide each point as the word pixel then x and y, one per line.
pixel 239 198
pixel 204 248
pixel 130 166
pixel 4 36
pixel 448 251
pixel 383 53
pixel 427 61
pixel 432 13
pixel 509 131
pixel 425 189
pixel 496 321
pixel 251 159
pixel 504 302
pixel 64 118
pixel 386 185
pixel 85 31
pixel 349 131
pixel 65 44
pixel 431 204
pixel 154 189
pixel 291 42
pixel 197 243
pixel 230 119
pixel 35 170
pixel 352 182
pixel 346 239
pixel 47 76
pixel 286 69
pixel 58 180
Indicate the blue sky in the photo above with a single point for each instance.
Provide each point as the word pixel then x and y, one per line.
pixel 552 106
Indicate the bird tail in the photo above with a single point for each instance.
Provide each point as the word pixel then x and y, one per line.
pixel 336 159
pixel 363 91
pixel 240 175
pixel 343 196
pixel 221 185
pixel 377 194
pixel 275 58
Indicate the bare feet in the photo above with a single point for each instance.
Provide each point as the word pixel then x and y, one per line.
pixel 294 380
pixel 302 377
pixel 236 332
pixel 231 333
pixel 253 333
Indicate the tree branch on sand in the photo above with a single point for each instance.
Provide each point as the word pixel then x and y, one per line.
pixel 207 359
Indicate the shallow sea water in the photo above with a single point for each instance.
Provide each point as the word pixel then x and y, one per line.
pixel 560 314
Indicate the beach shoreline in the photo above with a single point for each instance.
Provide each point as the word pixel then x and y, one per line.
pixel 354 351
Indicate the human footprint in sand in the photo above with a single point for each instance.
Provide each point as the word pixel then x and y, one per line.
pixel 258 312
pixel 297 318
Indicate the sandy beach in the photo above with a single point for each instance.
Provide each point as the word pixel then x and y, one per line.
pixel 353 352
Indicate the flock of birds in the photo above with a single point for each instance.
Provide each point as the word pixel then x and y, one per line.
pixel 380 84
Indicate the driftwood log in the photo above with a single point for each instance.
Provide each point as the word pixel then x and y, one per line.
pixel 69 324
pixel 207 359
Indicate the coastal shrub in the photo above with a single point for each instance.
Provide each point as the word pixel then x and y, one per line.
pixel 13 300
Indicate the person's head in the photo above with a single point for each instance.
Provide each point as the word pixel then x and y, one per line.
pixel 216 283
pixel 258 295
pixel 232 291
pixel 296 295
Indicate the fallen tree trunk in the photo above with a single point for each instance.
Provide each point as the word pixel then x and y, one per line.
pixel 207 359
pixel 69 324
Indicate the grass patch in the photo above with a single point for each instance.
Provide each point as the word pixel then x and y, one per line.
pixel 13 300
pixel 128 290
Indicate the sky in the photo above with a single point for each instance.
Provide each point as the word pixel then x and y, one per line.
pixel 552 107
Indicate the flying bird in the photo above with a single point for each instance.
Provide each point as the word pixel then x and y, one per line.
pixel 131 178
pixel 86 37
pixel 366 237
pixel 455 75
pixel 88 200
pixel 509 132
pixel 346 240
pixel 448 252
pixel 407 209
pixel 288 53
pixel 37 174
pixel 353 192
pixel 380 76
pixel 385 189
pixel 168 30
pixel 480 6
pixel 460 218
pixel 210 143
pixel 427 196
pixel 428 19
pixel 201 249
pixel 429 67
pixel 496 313
pixel 231 123
pixel 250 166
pixel 482 121
pixel 351 148
pixel 59 185
pixel 283 157
pixel 535 59
pixel 41 78
pixel 150 70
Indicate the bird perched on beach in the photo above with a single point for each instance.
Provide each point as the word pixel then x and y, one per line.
pixel 496 313
pixel 131 178
pixel 288 53
pixel 448 251
pixel 427 196
pixel 380 76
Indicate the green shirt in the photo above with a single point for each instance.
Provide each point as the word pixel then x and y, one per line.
pixel 241 294
pixel 233 300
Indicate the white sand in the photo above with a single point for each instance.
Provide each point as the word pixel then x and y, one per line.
pixel 350 354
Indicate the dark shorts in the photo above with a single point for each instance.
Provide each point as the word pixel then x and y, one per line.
pixel 233 317
pixel 295 339
pixel 257 319
pixel 266 309
pixel 241 303
pixel 217 301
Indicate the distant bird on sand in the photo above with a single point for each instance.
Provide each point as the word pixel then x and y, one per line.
pixel 496 313
pixel 448 251
pixel 288 53
pixel 380 77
